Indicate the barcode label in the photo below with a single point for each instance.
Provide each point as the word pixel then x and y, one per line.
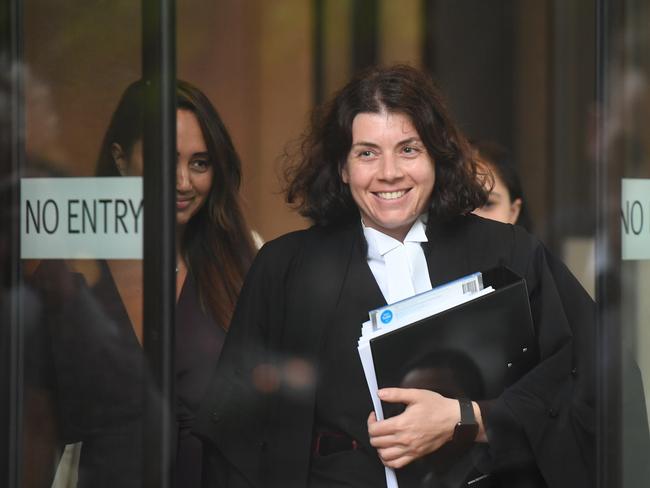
pixel 470 287
pixel 429 300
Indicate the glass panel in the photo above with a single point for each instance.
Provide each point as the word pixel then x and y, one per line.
pixel 517 73
pixel 625 258
pixel 87 386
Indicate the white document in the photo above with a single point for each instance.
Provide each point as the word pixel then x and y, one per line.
pixel 423 310
pixel 369 371
pixel 388 314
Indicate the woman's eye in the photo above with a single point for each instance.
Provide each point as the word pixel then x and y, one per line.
pixel 200 164
pixel 366 154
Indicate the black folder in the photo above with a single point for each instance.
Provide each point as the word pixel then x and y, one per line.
pixel 474 350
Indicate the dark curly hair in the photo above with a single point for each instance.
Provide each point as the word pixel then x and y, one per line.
pixel 313 168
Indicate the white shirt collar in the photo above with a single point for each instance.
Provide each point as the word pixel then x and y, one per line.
pixel 379 243
pixel 399 269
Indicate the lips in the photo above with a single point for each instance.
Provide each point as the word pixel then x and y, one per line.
pixel 390 195
pixel 183 204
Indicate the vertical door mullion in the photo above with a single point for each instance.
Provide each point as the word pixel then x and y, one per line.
pixel 12 155
pixel 159 152
pixel 609 356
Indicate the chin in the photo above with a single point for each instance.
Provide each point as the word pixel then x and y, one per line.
pixel 181 220
pixel 394 224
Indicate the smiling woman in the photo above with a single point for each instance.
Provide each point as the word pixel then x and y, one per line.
pixel 389 182
pixel 389 172
pixel 213 239
pixel 80 350
pixel 314 172
pixel 194 170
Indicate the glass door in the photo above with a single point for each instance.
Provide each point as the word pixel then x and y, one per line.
pixel 623 247
pixel 87 303
pixel 89 128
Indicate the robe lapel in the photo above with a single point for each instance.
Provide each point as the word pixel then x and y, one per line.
pixel 344 282
pixel 447 258
pixel 361 290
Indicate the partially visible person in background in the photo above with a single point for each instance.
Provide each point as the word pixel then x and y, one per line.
pixel 506 201
pixel 214 245
pixel 87 364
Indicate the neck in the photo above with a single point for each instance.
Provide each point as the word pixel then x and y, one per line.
pixel 181 265
pixel 397 234
pixel 180 259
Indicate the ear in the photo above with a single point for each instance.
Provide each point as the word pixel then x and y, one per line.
pixel 119 158
pixel 515 210
pixel 345 176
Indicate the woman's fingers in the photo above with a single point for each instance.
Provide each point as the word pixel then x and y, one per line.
pixel 426 424
pixel 390 454
pixel 395 458
pixel 401 395
pixel 384 441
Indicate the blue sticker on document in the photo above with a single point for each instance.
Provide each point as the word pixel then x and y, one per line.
pixel 386 316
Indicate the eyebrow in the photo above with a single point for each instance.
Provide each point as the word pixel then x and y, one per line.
pixel 201 154
pixel 410 140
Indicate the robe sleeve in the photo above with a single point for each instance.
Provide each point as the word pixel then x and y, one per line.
pixel 548 416
pixel 232 416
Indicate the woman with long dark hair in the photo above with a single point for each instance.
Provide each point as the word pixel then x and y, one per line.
pixel 213 239
pixel 214 245
pixel 92 364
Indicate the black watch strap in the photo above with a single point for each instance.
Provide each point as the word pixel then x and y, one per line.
pixel 466 430
pixel 466 411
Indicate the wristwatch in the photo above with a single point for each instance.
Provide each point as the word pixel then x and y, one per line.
pixel 466 430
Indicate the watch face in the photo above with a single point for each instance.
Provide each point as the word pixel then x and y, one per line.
pixel 466 430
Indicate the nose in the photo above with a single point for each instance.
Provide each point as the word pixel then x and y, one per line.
pixel 182 177
pixel 390 168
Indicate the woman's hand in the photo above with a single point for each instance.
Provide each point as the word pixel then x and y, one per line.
pixel 427 423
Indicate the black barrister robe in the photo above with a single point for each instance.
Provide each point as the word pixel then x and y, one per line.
pixel 257 418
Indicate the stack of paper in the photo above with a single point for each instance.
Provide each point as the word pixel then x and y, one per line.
pixel 397 315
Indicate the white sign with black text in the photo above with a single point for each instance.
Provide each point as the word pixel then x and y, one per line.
pixel 635 218
pixel 81 218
